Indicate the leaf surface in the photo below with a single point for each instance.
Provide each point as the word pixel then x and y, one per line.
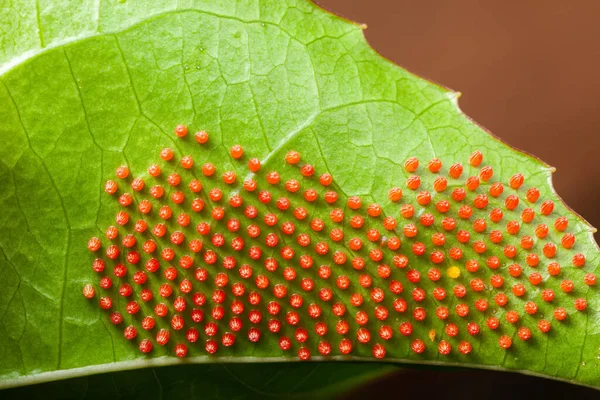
pixel 87 88
pixel 215 381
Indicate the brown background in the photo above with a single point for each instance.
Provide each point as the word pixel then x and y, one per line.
pixel 529 72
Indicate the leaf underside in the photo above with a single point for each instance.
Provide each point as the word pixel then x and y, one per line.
pixel 212 381
pixel 88 89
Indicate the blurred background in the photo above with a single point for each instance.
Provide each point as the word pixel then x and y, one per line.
pixel 529 71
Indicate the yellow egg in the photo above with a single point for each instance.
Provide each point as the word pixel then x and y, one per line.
pixel 432 335
pixel 453 272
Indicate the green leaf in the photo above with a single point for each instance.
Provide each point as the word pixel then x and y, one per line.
pixel 214 381
pixel 88 88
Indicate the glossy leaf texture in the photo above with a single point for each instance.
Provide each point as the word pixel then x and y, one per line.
pixel 214 381
pixel 89 89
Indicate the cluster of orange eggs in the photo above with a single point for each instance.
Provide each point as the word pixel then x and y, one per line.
pixel 200 255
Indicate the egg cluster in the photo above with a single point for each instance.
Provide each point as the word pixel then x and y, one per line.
pixel 201 258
